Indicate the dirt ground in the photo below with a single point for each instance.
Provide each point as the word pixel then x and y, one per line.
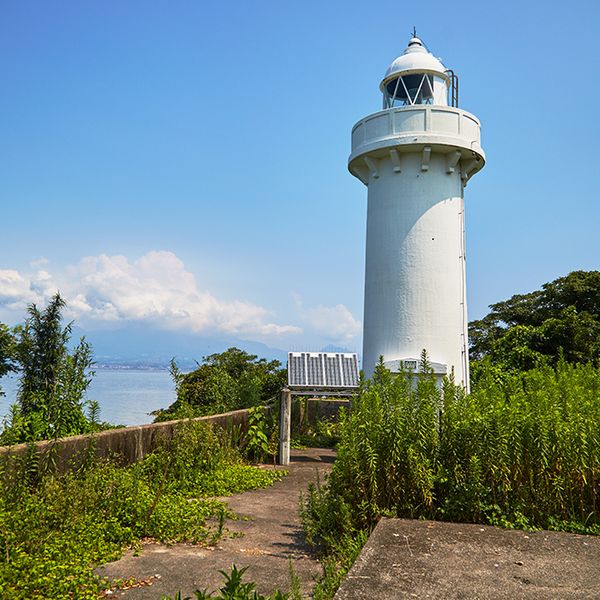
pixel 450 561
pixel 270 537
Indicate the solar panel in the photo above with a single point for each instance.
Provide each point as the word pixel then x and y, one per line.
pixel 328 370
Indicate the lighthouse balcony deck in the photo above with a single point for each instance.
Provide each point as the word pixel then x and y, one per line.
pixel 409 129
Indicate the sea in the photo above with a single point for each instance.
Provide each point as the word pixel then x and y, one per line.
pixel 126 396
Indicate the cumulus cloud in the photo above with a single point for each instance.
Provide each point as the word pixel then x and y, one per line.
pixel 333 322
pixel 155 288
pixel 17 289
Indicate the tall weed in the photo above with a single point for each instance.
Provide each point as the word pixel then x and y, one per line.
pixel 522 451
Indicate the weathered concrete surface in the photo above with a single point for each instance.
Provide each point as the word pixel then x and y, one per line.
pixel 128 444
pixel 449 561
pixel 271 537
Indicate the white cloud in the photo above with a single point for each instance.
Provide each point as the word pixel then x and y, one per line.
pixel 17 290
pixel 155 288
pixel 335 323
pixel 158 290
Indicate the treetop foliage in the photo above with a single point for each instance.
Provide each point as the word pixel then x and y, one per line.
pixel 225 381
pixel 42 347
pixel 530 330
pixel 7 352
pixel 53 379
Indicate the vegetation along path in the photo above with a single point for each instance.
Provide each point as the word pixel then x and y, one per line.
pixel 271 535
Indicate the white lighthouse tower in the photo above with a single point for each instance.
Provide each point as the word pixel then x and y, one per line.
pixel 416 156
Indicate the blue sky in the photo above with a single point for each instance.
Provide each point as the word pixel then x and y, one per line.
pixel 183 164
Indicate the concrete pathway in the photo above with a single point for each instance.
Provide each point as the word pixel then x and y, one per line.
pixel 271 536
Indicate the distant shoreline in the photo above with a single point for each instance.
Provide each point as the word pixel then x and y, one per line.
pixel 127 393
pixel 128 367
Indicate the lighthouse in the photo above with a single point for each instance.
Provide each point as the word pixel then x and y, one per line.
pixel 415 157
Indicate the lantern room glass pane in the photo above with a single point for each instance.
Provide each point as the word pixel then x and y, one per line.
pixel 415 88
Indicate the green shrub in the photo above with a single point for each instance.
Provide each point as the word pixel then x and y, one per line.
pixel 526 452
pixel 227 381
pixel 55 528
pixel 53 379
pixel 522 450
pixel 324 433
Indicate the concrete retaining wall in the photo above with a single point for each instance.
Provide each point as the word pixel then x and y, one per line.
pixel 127 444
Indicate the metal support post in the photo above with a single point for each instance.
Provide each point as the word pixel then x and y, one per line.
pixel 285 418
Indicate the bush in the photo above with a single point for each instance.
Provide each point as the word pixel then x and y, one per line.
pixel 323 433
pixel 228 381
pixel 524 452
pixel 55 528
pixel 7 352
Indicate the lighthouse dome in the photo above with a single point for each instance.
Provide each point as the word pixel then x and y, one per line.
pixel 415 58
pixel 415 77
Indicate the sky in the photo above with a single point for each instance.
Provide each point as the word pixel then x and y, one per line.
pixel 182 165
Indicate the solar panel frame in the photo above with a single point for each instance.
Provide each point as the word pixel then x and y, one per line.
pixel 323 370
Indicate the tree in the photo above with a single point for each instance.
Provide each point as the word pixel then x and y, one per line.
pixel 227 381
pixel 529 330
pixel 53 381
pixel 7 352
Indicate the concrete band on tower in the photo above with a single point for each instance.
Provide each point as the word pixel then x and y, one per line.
pixel 416 156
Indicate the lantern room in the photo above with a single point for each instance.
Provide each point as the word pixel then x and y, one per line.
pixel 418 77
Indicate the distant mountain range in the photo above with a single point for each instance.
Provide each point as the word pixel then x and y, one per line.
pixel 138 347
pixel 142 347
